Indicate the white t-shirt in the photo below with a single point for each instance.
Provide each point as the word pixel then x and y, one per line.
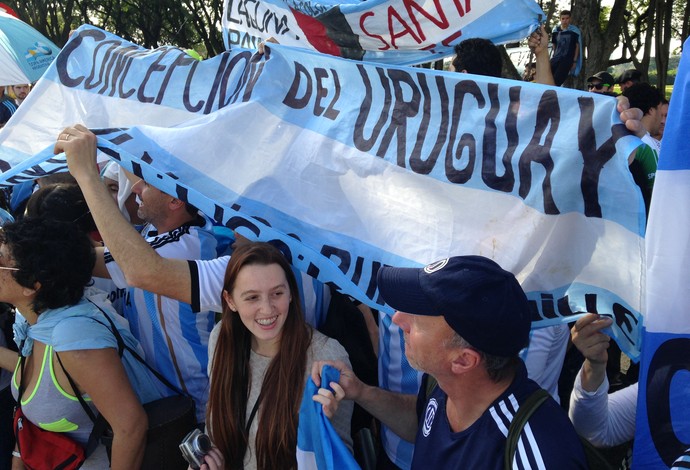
pixel 544 356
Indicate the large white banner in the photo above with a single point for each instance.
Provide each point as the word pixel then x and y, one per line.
pixel 400 32
pixel 353 165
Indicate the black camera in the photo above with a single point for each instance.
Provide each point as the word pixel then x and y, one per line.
pixel 194 447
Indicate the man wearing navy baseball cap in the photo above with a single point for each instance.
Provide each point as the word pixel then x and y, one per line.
pixel 465 320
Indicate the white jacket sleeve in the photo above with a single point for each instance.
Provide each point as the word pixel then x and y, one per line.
pixel 604 420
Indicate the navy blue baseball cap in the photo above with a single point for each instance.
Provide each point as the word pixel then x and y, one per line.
pixel 481 301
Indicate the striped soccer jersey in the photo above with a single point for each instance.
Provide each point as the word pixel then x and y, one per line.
pixel 547 441
pixel 173 336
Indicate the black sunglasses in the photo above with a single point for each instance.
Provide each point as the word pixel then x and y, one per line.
pixel 598 86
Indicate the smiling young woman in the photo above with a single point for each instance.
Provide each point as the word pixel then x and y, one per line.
pixel 260 364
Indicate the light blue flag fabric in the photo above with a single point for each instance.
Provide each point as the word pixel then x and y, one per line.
pixel 318 445
pixel 663 416
pixel 476 166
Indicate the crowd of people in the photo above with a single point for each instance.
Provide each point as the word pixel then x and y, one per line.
pixel 232 324
pixel 566 59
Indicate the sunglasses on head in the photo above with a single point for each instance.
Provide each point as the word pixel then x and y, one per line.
pixel 598 86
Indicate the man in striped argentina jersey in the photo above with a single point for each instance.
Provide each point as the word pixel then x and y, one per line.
pixel 166 277
pixel 173 334
pixel 464 321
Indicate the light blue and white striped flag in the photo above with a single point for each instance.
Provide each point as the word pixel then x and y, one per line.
pixel 318 445
pixel 353 165
pixel 663 414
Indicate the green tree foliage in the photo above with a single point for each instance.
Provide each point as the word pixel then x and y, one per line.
pixel 150 23
pixel 646 30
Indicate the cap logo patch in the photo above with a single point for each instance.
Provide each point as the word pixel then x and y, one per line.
pixel 429 417
pixel 433 267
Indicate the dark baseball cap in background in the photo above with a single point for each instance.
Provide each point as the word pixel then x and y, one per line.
pixel 605 77
pixel 630 75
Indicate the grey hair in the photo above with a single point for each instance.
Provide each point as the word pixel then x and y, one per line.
pixel 498 367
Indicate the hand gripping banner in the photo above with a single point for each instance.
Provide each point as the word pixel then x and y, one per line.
pixel 353 165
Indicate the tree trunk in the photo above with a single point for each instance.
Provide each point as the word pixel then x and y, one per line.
pixel 664 17
pixel 685 32
pixel 550 10
pixel 598 44
pixel 649 37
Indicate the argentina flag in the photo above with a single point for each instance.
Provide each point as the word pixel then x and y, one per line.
pixel 663 415
pixel 318 445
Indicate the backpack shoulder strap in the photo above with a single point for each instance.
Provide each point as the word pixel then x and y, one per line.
pixel 122 346
pixel 99 423
pixel 526 410
pixel 430 385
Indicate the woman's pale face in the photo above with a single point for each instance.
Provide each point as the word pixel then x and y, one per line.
pixel 261 297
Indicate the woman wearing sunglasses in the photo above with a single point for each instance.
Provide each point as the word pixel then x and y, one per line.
pixel 44 267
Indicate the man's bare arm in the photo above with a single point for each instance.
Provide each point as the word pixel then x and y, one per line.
pixel 395 410
pixel 538 42
pixel 576 56
pixel 632 118
pixel 398 411
pixel 141 265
